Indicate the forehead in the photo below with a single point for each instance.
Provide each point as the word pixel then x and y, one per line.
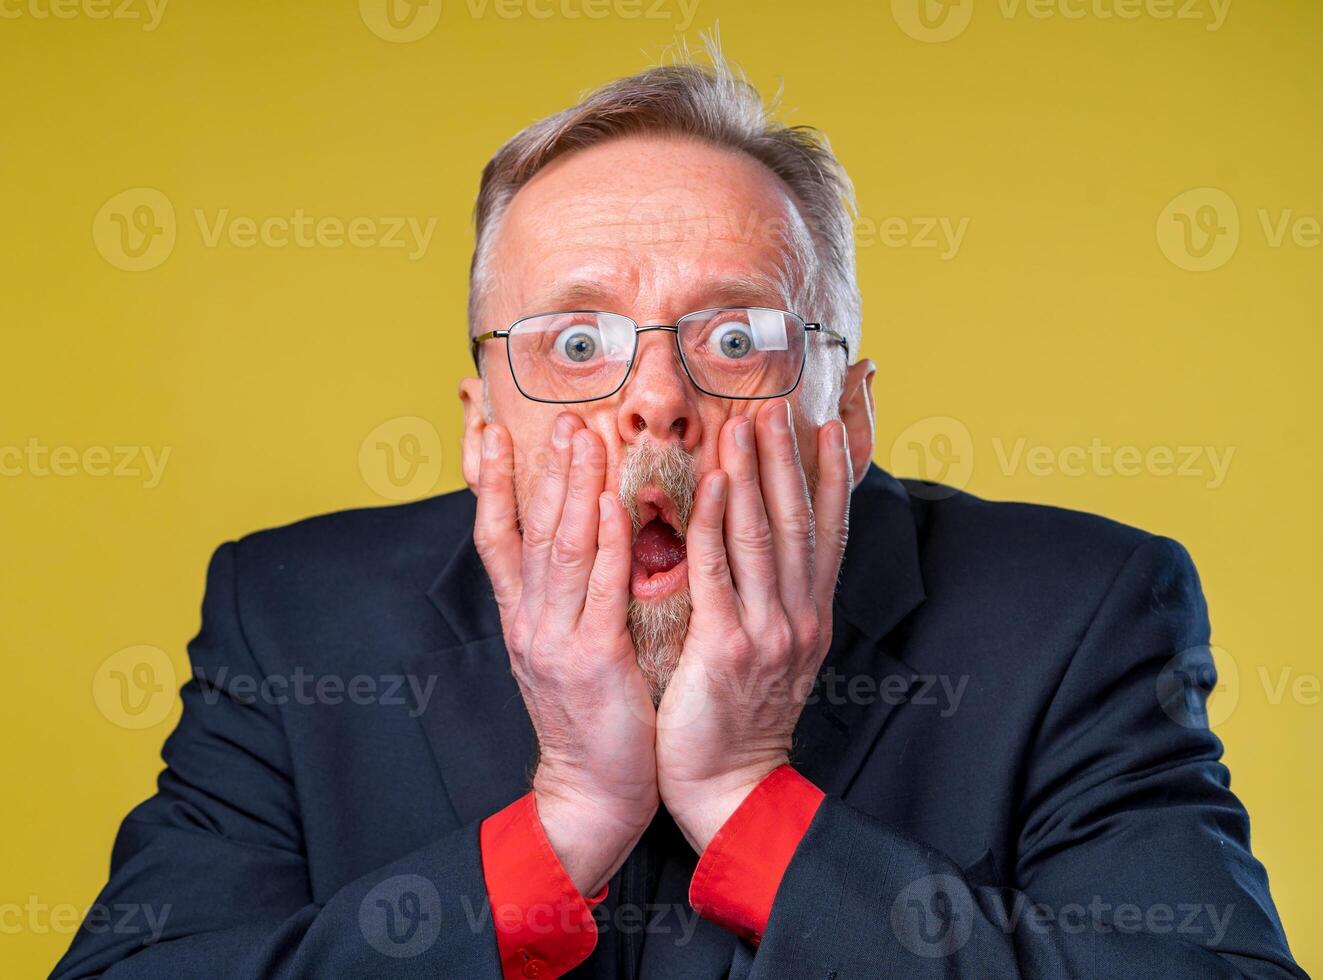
pixel 647 226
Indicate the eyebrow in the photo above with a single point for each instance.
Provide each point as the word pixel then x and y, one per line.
pixel 747 290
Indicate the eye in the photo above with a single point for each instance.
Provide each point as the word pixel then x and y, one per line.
pixel 731 340
pixel 578 343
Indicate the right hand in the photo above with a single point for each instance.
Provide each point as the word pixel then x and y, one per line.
pixel 563 592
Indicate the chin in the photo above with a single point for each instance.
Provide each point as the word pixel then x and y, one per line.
pixel 658 627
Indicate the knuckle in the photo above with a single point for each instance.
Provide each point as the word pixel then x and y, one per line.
pixel 518 637
pixel 807 633
pixel 565 554
pixel 799 523
pixel 537 533
pixel 755 539
pixel 711 563
pixel 779 637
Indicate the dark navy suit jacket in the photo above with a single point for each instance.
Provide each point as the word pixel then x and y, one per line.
pixel 1009 728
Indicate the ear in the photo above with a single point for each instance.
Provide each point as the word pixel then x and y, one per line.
pixel 470 396
pixel 857 413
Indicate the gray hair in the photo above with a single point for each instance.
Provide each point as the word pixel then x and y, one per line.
pixel 717 104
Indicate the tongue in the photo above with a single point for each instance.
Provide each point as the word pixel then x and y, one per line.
pixel 658 548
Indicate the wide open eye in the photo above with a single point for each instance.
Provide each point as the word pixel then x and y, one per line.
pixel 579 343
pixel 732 339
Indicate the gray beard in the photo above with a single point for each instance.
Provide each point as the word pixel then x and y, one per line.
pixel 658 628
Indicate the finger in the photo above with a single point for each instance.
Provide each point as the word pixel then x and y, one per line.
pixel 495 525
pixel 544 511
pixel 575 545
pixel 831 508
pixel 710 584
pixel 747 533
pixel 606 604
pixel 785 495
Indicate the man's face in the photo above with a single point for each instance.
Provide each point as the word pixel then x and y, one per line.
pixel 652 228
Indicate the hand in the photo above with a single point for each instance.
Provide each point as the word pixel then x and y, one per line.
pixel 763 563
pixel 563 592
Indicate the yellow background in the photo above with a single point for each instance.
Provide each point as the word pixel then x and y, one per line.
pixel 1064 317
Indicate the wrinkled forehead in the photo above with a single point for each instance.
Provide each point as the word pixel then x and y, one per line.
pixel 649 227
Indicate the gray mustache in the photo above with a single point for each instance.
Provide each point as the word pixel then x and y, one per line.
pixel 669 468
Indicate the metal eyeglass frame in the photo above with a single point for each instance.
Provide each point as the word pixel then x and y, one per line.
pixel 673 328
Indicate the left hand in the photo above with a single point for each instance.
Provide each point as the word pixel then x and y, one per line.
pixel 763 562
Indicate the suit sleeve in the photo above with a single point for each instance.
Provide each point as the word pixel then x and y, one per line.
pixel 1133 854
pixel 216 857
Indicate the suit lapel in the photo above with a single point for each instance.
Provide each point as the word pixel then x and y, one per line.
pixel 476 723
pixel 862 680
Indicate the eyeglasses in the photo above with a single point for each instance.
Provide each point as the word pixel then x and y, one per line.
pixel 741 352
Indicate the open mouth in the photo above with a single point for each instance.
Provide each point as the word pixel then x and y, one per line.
pixel 659 551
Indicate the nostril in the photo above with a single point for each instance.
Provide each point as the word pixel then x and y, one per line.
pixel 680 426
pixel 638 423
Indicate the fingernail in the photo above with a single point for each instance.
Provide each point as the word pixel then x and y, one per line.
pixel 561 434
pixel 781 418
pixel 845 439
pixel 491 446
pixel 744 434
pixel 719 487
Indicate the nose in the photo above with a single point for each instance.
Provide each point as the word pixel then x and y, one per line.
pixel 658 401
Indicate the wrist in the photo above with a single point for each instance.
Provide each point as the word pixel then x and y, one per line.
pixel 591 838
pixel 701 809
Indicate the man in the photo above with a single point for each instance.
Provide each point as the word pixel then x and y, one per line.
pixel 667 719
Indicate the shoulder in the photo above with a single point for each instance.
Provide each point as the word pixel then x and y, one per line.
pixel 400 536
pixel 1041 577
pixel 355 573
pixel 1038 546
